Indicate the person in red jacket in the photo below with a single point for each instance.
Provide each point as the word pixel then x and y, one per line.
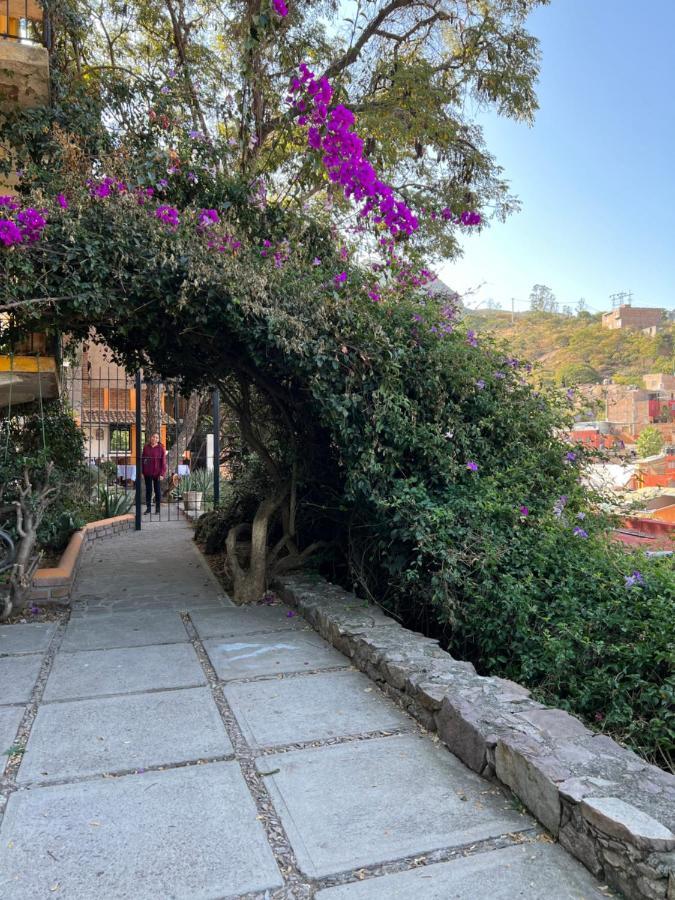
pixel 154 469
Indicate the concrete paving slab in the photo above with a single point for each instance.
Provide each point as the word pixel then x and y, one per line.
pixel 531 871
pixel 131 629
pixel 18 675
pixel 186 834
pixel 10 716
pixel 233 620
pixel 95 673
pixel 357 804
pixel 289 710
pixel 116 734
pixel 271 654
pixel 33 637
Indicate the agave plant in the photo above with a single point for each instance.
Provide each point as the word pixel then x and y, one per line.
pixel 114 502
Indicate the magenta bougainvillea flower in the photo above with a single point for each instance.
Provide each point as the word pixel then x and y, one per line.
pixel 9 233
pixel 168 215
pixel 208 217
pixel 31 223
pixel 8 202
pixel 524 511
pixel 340 278
pixel 280 8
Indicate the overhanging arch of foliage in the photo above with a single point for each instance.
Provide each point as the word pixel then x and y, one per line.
pixel 419 452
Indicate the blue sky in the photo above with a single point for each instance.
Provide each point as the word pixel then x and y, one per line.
pixel 596 172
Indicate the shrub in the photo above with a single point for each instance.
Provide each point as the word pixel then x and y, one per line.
pixel 650 441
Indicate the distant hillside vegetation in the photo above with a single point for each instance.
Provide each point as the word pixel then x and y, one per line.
pixel 577 349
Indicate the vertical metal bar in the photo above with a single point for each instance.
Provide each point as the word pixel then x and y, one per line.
pixel 216 448
pixel 139 451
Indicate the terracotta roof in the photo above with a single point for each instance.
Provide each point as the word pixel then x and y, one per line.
pixel 117 417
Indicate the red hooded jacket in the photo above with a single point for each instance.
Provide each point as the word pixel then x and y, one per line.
pixel 154 460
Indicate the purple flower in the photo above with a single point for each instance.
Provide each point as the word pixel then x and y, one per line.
pixel 164 89
pixel 168 215
pixel 192 178
pixel 208 217
pixel 196 135
pixel 30 222
pixel 634 580
pixel 8 202
pixel 471 338
pixel 570 393
pixel 9 233
pixel 340 279
pixel 559 506
pixel 290 614
pixel 500 375
pixel 62 200
pixel 280 8
pixel 581 516
pixel 472 466
pixel 579 532
pixel 524 511
pixel 470 218
pixel 571 456
pixel 374 296
pixel 316 261
pixel 480 384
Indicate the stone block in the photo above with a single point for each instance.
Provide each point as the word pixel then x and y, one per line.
pixel 18 675
pixel 189 832
pixel 359 804
pixel 96 673
pixel 118 734
pixel 229 621
pixel 33 637
pixel 316 707
pixel 271 654
pixel 534 871
pixel 129 629
pixel 531 776
pixel 621 820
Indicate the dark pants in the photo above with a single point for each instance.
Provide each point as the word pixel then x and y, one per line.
pixel 149 482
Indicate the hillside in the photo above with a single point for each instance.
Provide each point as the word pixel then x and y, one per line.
pixel 577 349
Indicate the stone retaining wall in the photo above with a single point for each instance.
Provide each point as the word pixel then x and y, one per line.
pixel 56 583
pixel 606 805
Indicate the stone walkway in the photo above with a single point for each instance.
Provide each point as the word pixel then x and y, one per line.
pixel 179 747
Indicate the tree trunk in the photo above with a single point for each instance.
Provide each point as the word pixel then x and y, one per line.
pixel 153 417
pixel 186 433
pixel 250 584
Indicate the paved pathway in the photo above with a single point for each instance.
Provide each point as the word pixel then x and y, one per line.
pixel 180 747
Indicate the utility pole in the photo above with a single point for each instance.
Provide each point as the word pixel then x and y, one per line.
pixel 513 310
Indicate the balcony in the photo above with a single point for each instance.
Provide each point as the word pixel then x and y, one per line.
pixel 24 58
pixel 28 371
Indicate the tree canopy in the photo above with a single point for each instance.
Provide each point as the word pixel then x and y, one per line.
pixel 189 85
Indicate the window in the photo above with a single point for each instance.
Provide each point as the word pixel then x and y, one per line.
pixel 120 438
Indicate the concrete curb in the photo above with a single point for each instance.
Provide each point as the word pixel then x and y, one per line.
pixel 606 805
pixel 56 583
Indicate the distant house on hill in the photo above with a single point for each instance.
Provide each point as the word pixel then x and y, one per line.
pixel 639 318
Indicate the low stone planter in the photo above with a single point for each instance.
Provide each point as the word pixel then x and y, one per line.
pixel 56 583
pixel 605 805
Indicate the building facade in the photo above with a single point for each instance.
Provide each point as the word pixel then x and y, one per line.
pixel 640 318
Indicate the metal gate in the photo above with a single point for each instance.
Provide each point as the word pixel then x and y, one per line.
pixel 118 413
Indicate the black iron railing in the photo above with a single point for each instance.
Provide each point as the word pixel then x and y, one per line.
pixel 23 20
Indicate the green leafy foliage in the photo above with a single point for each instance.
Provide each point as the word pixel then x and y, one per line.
pixel 650 441
pixel 417 451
